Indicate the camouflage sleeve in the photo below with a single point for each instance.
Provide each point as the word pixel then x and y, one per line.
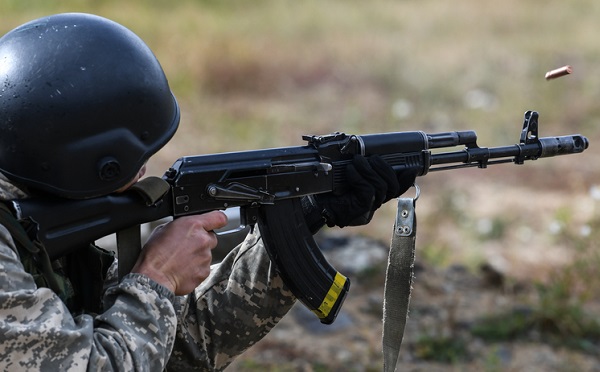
pixel 240 302
pixel 37 332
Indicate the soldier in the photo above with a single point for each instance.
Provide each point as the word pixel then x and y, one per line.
pixel 83 104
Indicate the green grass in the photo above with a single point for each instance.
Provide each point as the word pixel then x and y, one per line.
pixel 441 349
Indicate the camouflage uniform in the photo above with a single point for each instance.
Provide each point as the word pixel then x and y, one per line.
pixel 144 326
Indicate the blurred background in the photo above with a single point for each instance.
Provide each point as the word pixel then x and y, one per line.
pixel 252 75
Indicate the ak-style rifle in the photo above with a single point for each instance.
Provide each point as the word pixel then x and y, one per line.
pixel 267 186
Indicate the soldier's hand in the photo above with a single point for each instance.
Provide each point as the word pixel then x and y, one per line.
pixel 178 253
pixel 371 182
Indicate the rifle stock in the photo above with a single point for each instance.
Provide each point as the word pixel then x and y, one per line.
pixel 267 186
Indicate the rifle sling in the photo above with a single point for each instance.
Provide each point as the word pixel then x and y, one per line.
pixel 398 283
pixel 129 241
pixel 129 246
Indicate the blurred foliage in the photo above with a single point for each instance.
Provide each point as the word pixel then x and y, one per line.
pixel 559 324
pixel 441 349
pixel 559 313
pixel 279 69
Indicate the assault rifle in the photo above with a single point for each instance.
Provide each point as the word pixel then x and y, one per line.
pixel 267 186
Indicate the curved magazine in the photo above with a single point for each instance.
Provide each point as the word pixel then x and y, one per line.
pixel 300 261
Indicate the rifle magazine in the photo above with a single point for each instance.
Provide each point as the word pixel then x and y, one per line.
pixel 299 260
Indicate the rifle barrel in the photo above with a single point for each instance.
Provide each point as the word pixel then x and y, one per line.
pixel 480 156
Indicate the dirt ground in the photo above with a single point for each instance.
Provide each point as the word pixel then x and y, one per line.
pixel 444 304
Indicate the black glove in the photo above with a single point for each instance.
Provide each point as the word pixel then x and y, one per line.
pixel 371 181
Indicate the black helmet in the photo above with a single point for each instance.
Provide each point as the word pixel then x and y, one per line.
pixel 83 104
